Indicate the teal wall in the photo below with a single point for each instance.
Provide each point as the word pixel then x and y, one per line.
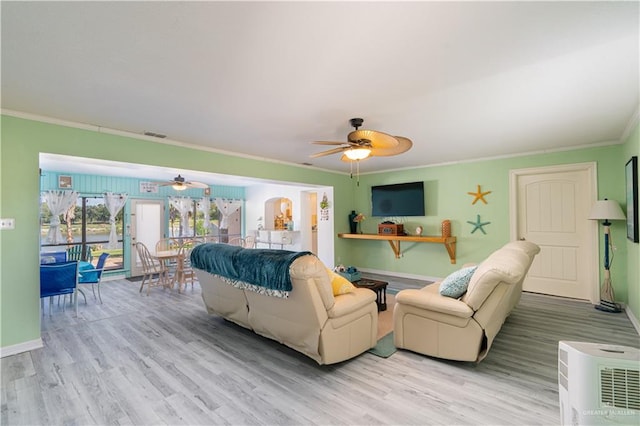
pixel 92 185
pixel 446 197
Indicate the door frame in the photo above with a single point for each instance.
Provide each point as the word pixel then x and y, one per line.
pixel 592 237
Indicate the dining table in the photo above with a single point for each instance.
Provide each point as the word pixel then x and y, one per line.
pixel 166 257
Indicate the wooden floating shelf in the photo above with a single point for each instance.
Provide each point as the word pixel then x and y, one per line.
pixel 394 241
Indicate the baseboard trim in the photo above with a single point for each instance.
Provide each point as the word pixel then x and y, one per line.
pixel 633 319
pixel 401 275
pixel 21 347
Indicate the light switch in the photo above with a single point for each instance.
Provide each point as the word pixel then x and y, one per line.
pixel 7 223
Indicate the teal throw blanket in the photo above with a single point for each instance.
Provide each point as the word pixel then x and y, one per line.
pixel 261 267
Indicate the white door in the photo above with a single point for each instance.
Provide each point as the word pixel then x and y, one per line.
pixel 147 218
pixel 550 206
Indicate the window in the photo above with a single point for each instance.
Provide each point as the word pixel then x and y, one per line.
pixel 196 223
pixel 86 229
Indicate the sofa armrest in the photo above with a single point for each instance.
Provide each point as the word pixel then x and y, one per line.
pixel 351 302
pixel 429 299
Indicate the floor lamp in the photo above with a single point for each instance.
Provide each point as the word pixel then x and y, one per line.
pixel 607 210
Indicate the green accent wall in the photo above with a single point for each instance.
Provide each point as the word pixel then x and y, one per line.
pixel 446 198
pixel 632 148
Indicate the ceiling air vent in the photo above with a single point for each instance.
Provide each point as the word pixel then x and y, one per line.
pixel 155 135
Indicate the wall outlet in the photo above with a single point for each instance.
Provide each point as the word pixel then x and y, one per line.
pixel 8 223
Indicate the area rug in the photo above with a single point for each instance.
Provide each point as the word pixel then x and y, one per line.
pixel 385 347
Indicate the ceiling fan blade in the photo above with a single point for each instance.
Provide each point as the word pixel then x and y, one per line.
pixel 377 139
pixel 197 185
pixel 329 152
pixel 328 143
pixel 404 145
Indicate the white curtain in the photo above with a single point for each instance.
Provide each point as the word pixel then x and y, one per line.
pixel 226 208
pixel 58 202
pixel 183 205
pixel 114 203
pixel 204 205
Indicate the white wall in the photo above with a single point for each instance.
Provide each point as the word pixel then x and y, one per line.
pixel 256 197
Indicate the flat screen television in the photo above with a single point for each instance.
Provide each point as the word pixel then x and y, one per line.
pixel 401 199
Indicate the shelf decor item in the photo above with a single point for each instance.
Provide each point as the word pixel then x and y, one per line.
pixel 353 225
pixel 446 228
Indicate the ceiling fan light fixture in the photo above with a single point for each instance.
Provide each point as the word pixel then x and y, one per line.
pixel 179 187
pixel 355 154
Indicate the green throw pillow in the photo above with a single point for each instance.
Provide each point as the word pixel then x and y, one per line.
pixel 455 285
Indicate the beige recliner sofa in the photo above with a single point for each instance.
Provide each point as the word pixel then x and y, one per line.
pixel 463 329
pixel 311 320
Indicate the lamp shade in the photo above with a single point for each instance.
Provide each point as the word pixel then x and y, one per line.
pixel 606 210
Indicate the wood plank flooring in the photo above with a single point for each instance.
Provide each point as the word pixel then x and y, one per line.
pixel 162 359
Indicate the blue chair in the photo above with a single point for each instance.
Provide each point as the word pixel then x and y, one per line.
pixel 58 279
pixel 93 276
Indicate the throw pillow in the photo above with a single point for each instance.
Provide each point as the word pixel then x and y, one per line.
pixel 455 285
pixel 339 284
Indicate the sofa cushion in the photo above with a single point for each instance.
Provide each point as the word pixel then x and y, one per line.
pixel 504 265
pixel 339 284
pixel 455 285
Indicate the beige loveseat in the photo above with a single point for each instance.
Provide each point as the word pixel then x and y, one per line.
pixel 311 319
pixel 463 329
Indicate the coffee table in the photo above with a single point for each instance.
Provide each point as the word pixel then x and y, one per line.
pixel 380 288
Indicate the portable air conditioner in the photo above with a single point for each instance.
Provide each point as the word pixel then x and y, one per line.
pixel 598 384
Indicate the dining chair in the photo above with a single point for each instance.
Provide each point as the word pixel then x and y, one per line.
pixel 249 241
pixel 169 244
pixel 58 279
pixel 237 241
pixel 153 270
pixel 187 272
pixel 75 253
pixel 93 276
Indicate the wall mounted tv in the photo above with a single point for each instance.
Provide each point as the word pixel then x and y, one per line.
pixel 401 199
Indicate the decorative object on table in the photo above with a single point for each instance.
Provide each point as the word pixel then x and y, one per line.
pixel 418 230
pixel 351 273
pixel 479 195
pixel 607 210
pixel 478 224
pixel 446 228
pixel 631 177
pixel 390 228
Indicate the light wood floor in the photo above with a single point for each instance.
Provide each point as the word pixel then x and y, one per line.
pixel 162 360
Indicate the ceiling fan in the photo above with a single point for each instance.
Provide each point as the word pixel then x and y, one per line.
pixel 180 184
pixel 362 144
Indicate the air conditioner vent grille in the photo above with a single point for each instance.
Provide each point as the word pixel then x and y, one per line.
pixel 620 388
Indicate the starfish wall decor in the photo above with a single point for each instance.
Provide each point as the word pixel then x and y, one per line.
pixel 479 195
pixel 478 225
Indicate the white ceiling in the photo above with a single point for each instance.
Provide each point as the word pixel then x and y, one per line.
pixel 463 80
